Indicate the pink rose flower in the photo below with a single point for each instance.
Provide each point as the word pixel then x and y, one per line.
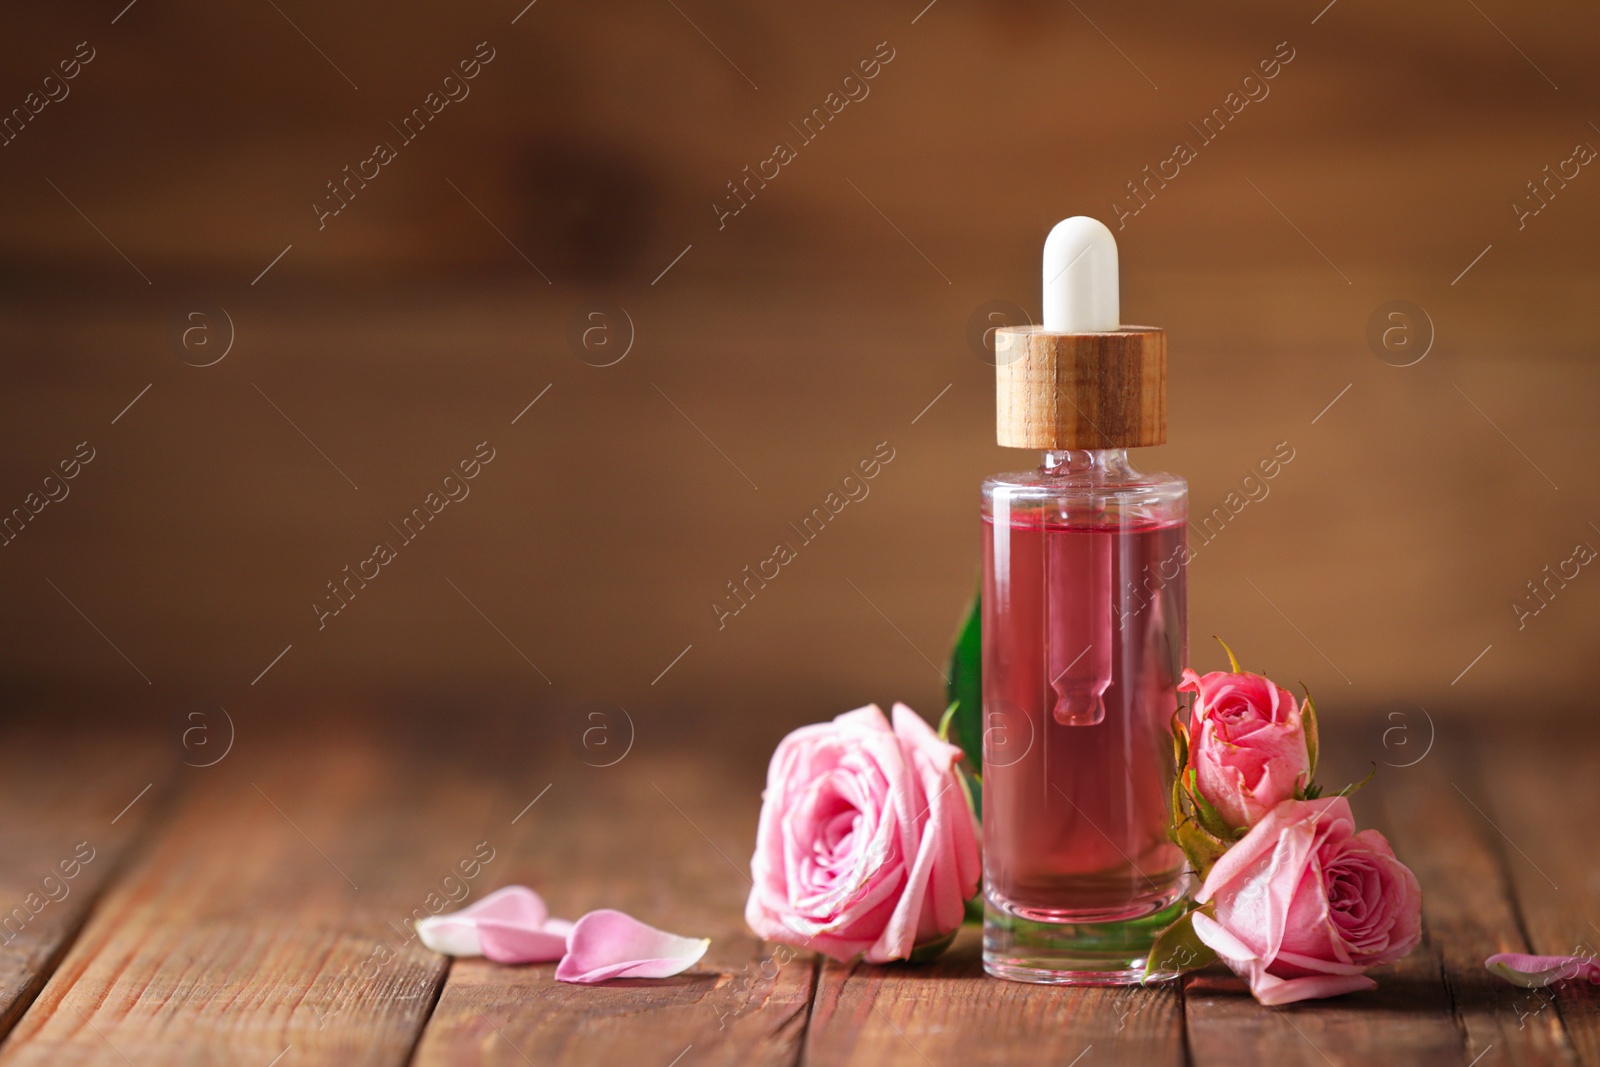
pixel 1247 744
pixel 866 845
pixel 1303 905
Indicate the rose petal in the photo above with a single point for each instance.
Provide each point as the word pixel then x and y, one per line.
pixel 1269 989
pixel 931 904
pixel 510 925
pixel 1534 972
pixel 508 943
pixel 512 903
pixel 1216 937
pixel 1273 992
pixel 610 944
pixel 1257 880
pixel 441 933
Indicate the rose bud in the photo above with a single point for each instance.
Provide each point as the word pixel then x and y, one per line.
pixel 1247 744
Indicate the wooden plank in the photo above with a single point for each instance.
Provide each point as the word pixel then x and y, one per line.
pixel 1468 908
pixel 1405 1020
pixel 74 806
pixel 1534 790
pixel 669 841
pixel 949 1011
pixel 725 1011
pixel 242 934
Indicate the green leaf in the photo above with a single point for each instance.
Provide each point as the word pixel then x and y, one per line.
pixel 964 690
pixel 1209 818
pixel 933 950
pixel 1202 849
pixel 1308 721
pixel 1180 759
pixel 1180 742
pixel 1233 661
pixel 1353 786
pixel 974 908
pixel 1179 812
pixel 1178 949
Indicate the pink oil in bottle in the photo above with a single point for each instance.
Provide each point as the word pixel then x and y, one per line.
pixel 1083 639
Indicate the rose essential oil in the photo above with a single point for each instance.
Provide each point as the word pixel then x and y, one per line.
pixel 1084 635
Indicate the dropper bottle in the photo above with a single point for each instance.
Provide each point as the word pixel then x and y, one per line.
pixel 1084 633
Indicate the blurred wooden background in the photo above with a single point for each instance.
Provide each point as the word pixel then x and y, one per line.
pixel 771 354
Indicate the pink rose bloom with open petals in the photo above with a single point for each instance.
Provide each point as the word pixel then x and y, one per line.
pixel 1247 744
pixel 866 846
pixel 1303 905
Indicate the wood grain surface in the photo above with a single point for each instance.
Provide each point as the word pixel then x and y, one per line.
pixel 949 1012
pixel 1430 813
pixel 74 805
pixel 269 918
pixel 1534 792
pixel 668 842
pixel 259 913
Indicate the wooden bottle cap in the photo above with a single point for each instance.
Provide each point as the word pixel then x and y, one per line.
pixel 1080 390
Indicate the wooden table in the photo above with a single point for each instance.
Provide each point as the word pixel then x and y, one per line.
pixel 253 912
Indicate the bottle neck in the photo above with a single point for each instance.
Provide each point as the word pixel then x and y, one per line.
pixel 1087 464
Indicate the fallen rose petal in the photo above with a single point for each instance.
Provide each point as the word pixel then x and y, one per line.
pixel 452 937
pixel 506 943
pixel 1534 972
pixel 609 944
pixel 510 925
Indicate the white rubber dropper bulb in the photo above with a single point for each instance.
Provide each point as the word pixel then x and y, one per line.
pixel 1080 278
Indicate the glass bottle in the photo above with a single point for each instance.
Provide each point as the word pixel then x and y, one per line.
pixel 1084 635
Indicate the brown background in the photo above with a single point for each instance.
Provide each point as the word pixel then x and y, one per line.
pixel 809 329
